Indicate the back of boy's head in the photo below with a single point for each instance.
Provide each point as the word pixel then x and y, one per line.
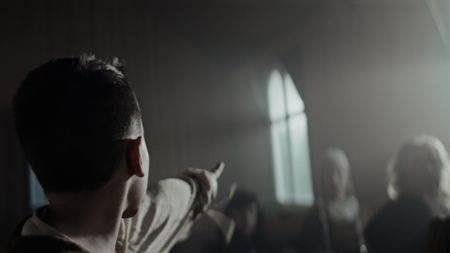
pixel 72 115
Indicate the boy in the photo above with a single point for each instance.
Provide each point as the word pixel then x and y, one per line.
pixel 80 126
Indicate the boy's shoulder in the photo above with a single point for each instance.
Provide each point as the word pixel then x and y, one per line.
pixel 39 243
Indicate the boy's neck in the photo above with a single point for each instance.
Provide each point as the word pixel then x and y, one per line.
pixel 91 220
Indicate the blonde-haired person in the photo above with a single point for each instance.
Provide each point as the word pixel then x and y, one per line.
pixel 421 167
pixel 333 224
pixel 418 191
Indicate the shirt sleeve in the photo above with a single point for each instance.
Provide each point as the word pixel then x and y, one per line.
pixel 162 220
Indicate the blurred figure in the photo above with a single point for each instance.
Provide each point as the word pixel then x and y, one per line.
pixel 333 224
pixel 418 191
pixel 209 235
pixel 249 234
pixel 421 167
pixel 206 237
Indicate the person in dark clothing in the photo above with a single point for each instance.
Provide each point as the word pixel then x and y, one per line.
pixel 417 189
pixel 333 223
pixel 249 234
pixel 400 226
pixel 207 235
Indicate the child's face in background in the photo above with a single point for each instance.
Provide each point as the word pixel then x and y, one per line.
pixel 246 219
pixel 335 181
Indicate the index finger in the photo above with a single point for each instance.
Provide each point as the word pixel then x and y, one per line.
pixel 218 169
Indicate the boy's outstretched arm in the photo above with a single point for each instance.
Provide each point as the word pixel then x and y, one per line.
pixel 169 211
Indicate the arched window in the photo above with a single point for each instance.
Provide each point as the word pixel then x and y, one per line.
pixel 290 145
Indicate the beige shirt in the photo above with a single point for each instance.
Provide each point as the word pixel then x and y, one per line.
pixel 162 220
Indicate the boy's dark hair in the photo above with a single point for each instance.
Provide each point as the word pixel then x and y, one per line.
pixel 71 115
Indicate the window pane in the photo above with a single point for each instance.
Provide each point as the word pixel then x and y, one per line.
pixel 293 100
pixel 281 162
pixel 301 165
pixel 277 103
pixel 290 146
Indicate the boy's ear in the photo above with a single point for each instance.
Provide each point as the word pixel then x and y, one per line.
pixel 133 157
